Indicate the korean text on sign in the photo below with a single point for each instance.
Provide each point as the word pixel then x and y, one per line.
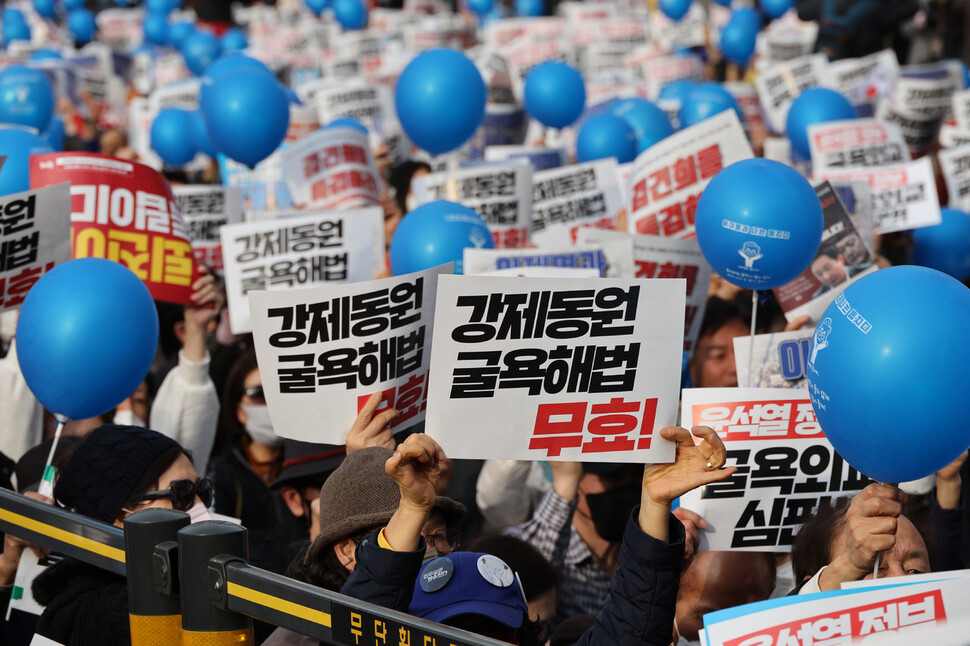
pixel 35 235
pixel 547 368
pixel 324 351
pixel 667 180
pixel 205 209
pixel 124 211
pixel 565 200
pixel 332 169
pixel 786 467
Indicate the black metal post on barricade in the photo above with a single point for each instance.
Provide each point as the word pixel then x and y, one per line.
pixel 202 586
pixel 152 566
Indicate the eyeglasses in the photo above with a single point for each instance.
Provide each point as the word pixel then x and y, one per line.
pixel 183 493
pixel 446 541
pixel 256 394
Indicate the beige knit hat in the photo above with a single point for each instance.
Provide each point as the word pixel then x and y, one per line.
pixel 360 495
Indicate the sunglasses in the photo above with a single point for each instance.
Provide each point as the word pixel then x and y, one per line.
pixel 183 493
pixel 256 394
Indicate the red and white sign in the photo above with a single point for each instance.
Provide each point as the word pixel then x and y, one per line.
pixel 864 143
pixel 332 169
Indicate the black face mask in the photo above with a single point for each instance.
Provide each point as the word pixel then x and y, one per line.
pixel 611 510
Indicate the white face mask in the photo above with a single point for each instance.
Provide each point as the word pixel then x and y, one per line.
pixel 198 512
pixel 260 426
pixel 128 418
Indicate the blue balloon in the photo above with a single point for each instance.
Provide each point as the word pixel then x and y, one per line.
pixel 889 373
pixel 317 6
pixel 156 28
pixel 79 355
pixel 346 123
pixel 178 32
pixel 530 8
pixel 247 115
pixel 54 135
pixel 437 233
pixel 650 124
pixel 200 136
pixel 45 55
pixel 351 14
pixel 171 136
pixel 17 146
pixel 234 40
pixel 74 5
pixel 759 223
pixel 946 246
pixel 606 135
pixel 815 105
pixel 440 100
pixel 26 97
pixel 200 50
pixel 15 31
pixel 705 100
pixel 749 17
pixel 776 8
pixel 737 41
pixel 230 63
pixel 675 9
pixel 46 8
pixel 555 94
pixel 161 7
pixel 82 25
pixel 12 15
pixel 676 91
pixel 481 7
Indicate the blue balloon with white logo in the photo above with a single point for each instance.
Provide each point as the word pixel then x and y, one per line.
pixel 437 233
pixel 171 136
pixel 606 135
pixel 889 373
pixel 530 8
pixel 26 97
pixel 650 123
pixel 675 9
pixel 155 28
pixel 813 106
pixel 944 246
pixel 351 14
pixel 17 146
pixel 555 94
pixel 705 100
pixel 234 40
pixel 200 49
pixel 759 223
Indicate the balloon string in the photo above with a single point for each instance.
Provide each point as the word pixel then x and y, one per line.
pixel 875 569
pixel 47 480
pixel 754 322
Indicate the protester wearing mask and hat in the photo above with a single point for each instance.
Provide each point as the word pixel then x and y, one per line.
pixel 113 472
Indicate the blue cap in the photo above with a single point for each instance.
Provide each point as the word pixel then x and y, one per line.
pixel 469 583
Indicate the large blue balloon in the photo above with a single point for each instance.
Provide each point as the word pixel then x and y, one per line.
pixel 46 8
pixel 55 134
pixel 26 97
pixel 776 8
pixel 163 7
pixel 815 105
pixel 17 146
pixel 234 40
pixel 676 91
pixel 82 25
pixel 156 28
pixel 945 246
pixel 555 94
pixel 74 5
pixel 351 14
pixel 15 31
pixel 738 40
pixel 889 373
pixel 481 7
pixel 229 63
pixel 86 337
pixel 178 32
pixel 675 9
pixel 200 49
pixel 440 100
pixel 247 115
pixel 317 6
pixel 759 223
pixel 346 122
pixel 649 122
pixel 171 136
pixel 749 17
pixel 46 55
pixel 530 8
pixel 436 233
pixel 705 100
pixel 606 135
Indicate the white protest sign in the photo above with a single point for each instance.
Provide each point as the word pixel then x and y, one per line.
pixel 205 209
pixel 500 193
pixel 539 158
pixel 863 81
pixel 657 257
pixel 856 142
pixel 612 259
pixel 786 466
pixel 35 235
pixel 952 136
pixel 317 247
pixel 927 95
pixel 370 104
pixel 689 31
pixel 661 72
pixel 783 40
pixel 955 164
pixel 961 109
pixel 324 351
pixel 524 55
pixel 781 84
pixel 919 128
pixel 332 169
pixel 544 272
pixel 841 617
pixel 567 199
pixel 561 369
pixel 903 197
pixel 668 178
pixel 779 358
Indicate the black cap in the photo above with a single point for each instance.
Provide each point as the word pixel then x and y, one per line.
pixel 304 460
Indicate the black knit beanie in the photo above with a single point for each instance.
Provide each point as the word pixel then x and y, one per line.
pixel 105 467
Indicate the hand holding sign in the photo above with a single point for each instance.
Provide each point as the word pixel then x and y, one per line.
pixel 372 428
